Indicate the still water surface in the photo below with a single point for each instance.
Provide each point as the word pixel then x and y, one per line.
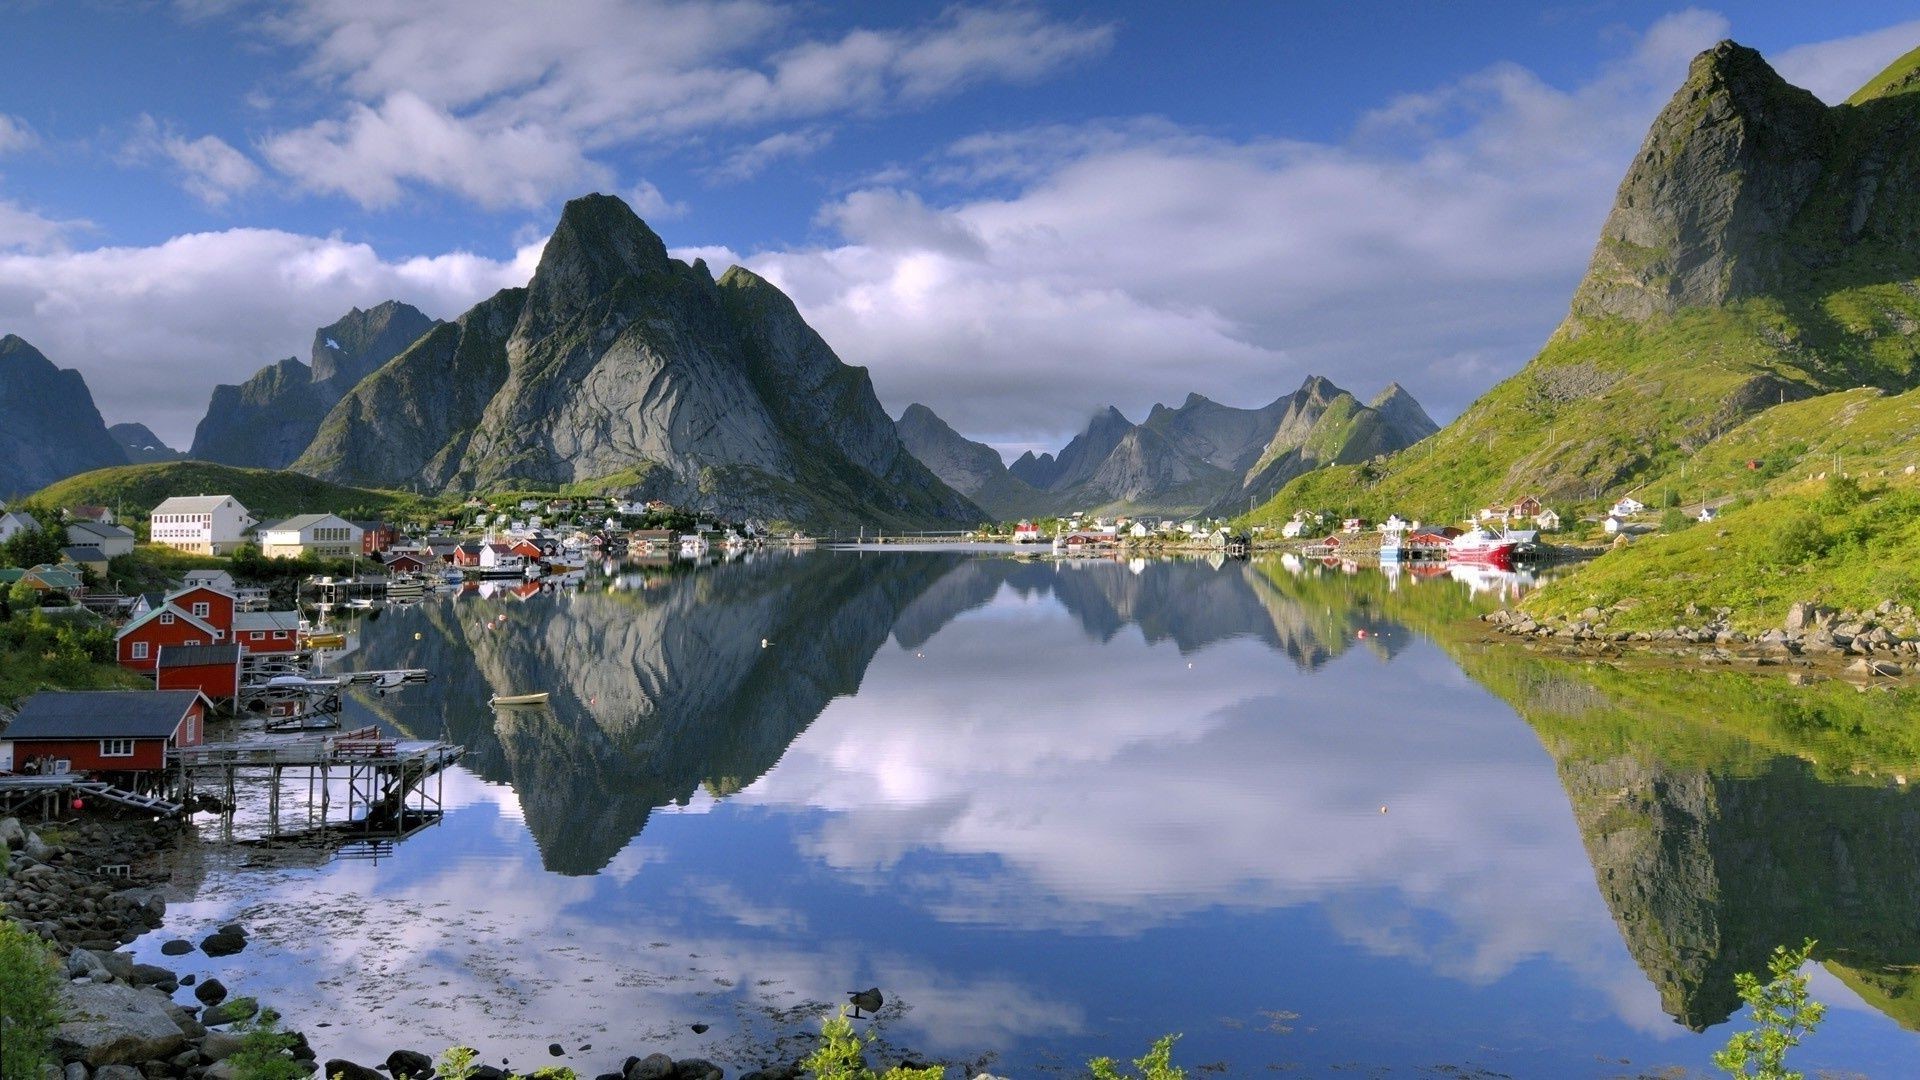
pixel 1055 810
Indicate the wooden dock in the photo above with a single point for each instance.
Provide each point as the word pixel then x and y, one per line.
pixel 383 781
pixel 48 793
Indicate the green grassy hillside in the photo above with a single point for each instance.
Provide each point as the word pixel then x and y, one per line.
pixel 134 490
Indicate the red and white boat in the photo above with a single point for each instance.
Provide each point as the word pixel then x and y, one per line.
pixel 1483 547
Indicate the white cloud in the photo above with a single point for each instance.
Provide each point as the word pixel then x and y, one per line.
pixel 514 111
pixel 652 204
pixel 211 170
pixel 15 134
pixel 1833 70
pixel 1134 260
pixel 368 155
pixel 22 229
pixel 749 161
pixel 216 305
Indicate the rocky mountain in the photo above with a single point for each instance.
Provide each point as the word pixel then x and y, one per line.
pixel 1763 247
pixel 623 367
pixel 267 421
pixel 49 427
pixel 1199 457
pixel 973 469
pixel 141 445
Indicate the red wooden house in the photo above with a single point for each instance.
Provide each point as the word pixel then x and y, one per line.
pixel 121 736
pixel 267 631
pixel 213 670
pixel 406 563
pixel 526 549
pixel 138 644
pixel 209 605
pixel 466 555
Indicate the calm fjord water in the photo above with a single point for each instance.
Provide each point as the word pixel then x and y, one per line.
pixel 1056 810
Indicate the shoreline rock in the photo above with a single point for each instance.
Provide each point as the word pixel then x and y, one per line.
pixel 1883 643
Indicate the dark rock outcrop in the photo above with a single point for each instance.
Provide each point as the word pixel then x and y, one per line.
pixel 141 445
pixel 620 364
pixel 49 426
pixel 267 421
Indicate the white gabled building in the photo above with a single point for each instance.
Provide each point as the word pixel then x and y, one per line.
pixel 202 524
pixel 325 536
pixel 15 522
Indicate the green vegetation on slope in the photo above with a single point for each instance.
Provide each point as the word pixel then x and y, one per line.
pixel 134 490
pixel 1901 77
pixel 1835 542
pixel 1605 409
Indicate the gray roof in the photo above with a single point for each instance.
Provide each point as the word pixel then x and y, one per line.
pixel 193 504
pixel 101 714
pixel 172 656
pixel 266 620
pixel 299 522
pixel 107 532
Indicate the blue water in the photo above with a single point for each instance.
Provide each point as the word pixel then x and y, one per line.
pixel 1053 811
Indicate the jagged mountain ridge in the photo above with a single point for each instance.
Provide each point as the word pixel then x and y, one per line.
pixel 50 428
pixel 620 366
pixel 1201 457
pixel 1763 247
pixel 267 421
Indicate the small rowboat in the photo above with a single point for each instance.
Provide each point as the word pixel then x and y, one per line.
pixel 518 699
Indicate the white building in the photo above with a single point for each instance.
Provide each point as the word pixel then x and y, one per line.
pixel 110 540
pixel 1628 507
pixel 324 536
pixel 202 524
pixel 14 522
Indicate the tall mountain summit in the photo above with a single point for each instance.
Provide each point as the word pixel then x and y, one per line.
pixel 1763 247
pixel 620 365
pixel 1199 457
pixel 49 426
pixel 268 420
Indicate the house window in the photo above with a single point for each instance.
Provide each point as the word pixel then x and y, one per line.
pixel 202 609
pixel 279 635
pixel 166 618
pixel 257 635
pixel 116 747
pixel 139 650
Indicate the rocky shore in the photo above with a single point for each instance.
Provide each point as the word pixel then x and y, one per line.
pixel 1881 643
pixel 88 888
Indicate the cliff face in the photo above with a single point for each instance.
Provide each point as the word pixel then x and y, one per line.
pixel 268 421
pixel 620 364
pixel 49 426
pixel 973 469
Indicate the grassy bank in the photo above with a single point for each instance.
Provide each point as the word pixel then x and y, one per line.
pixel 134 490
pixel 1839 542
pixel 59 650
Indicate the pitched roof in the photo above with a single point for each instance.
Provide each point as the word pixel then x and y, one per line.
pixel 156 613
pixel 210 577
pixel 82 554
pixel 301 522
pixel 25 521
pixel 266 620
pixel 194 504
pixel 101 714
pixel 54 577
pixel 105 532
pixel 173 656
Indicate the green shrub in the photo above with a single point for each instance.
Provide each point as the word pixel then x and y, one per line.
pixel 1156 1065
pixel 1784 1013
pixel 29 1001
pixel 839 1057
pixel 266 1052
pixel 1798 540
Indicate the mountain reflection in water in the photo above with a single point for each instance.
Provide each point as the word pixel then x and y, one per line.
pixel 1062 808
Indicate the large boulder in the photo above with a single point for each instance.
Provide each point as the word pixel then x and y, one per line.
pixel 114 1024
pixel 11 834
pixel 347 1070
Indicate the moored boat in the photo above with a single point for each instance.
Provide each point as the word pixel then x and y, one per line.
pixel 518 699
pixel 1482 546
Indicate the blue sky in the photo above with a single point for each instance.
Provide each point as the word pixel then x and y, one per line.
pixel 1015 213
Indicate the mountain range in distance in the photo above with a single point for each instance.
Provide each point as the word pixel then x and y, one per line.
pixel 1200 458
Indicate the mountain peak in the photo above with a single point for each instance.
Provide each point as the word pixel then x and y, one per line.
pixel 1704 213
